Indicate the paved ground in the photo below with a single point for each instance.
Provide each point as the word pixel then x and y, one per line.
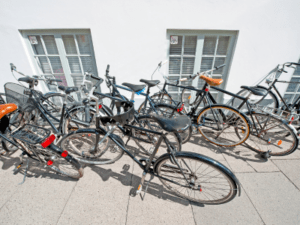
pixel 270 193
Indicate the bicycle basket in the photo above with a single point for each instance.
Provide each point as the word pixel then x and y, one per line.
pixel 31 134
pixel 125 115
pixel 18 95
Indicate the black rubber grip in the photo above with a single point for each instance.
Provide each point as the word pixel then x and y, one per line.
pixel 94 77
pixel 12 67
pixel 56 80
pixel 218 67
pixel 107 69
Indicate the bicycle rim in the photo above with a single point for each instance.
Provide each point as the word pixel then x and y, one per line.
pixel 205 183
pixel 271 134
pixel 223 126
pixel 82 147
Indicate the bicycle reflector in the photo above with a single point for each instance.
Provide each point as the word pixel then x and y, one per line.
pixel 100 106
pixel 48 141
pixel 206 89
pixel 64 154
pixel 291 120
pixel 181 108
pixel 49 163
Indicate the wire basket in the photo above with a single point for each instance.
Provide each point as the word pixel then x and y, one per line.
pixel 31 134
pixel 279 113
pixel 18 95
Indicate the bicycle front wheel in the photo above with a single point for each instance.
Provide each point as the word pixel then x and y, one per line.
pixel 223 125
pixel 271 133
pixel 81 144
pixel 196 179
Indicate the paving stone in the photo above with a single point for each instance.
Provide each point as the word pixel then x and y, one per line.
pixel 238 211
pixel 276 199
pixel 242 159
pixel 291 169
pixel 101 196
pixel 39 200
pixel 160 206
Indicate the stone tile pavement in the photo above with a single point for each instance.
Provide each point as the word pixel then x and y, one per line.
pixel 270 193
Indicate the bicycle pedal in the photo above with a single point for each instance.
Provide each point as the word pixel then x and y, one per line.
pixel 18 167
pixel 266 155
pixel 139 189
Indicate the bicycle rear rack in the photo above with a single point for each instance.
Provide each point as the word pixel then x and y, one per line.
pixel 279 113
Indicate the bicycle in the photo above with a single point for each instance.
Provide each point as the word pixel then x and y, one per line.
pixel 218 123
pixel 270 100
pixel 267 130
pixel 178 171
pixel 37 143
pixel 144 109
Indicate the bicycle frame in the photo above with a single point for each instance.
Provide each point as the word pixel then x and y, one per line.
pixel 146 167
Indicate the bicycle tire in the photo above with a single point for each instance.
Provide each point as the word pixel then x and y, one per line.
pixel 169 111
pixel 275 135
pixel 199 189
pixel 80 142
pixel 212 127
pixel 173 138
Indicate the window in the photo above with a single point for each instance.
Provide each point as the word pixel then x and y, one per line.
pixel 63 54
pixel 197 51
pixel 293 89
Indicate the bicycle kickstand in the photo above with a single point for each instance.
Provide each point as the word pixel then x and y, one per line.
pixel 140 187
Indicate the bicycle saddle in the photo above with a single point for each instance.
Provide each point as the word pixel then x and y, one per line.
pixel 68 90
pixel 7 108
pixel 255 90
pixel 150 83
pixel 172 124
pixel 211 81
pixel 133 87
pixel 26 79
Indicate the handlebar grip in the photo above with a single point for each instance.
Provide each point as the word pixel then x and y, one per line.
pixel 107 69
pixel 12 67
pixel 183 79
pixel 94 77
pixel 218 67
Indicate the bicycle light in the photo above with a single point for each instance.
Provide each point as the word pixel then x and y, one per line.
pixel 49 163
pixel 181 108
pixel 64 154
pixel 48 141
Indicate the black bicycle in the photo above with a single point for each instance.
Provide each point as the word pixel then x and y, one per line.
pixel 189 175
pixel 146 108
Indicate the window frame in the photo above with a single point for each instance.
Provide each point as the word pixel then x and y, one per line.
pixel 57 33
pixel 198 54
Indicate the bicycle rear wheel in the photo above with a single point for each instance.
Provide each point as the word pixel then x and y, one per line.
pixel 198 179
pixel 223 125
pixel 82 146
pixel 51 155
pixel 272 134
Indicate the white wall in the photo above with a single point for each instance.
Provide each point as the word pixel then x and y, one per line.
pixel 131 35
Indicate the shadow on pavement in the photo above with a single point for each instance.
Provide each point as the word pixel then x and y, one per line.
pixel 129 179
pixel 242 151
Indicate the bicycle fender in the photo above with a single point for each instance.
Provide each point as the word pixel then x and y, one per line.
pixel 205 159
